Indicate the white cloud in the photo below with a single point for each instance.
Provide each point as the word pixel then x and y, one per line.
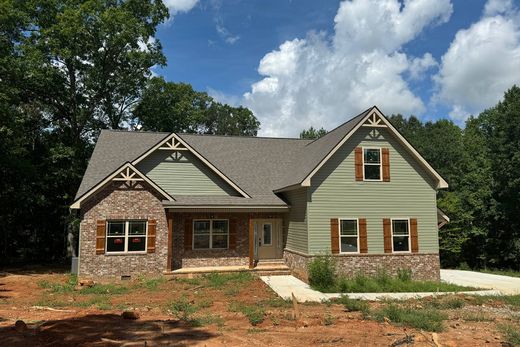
pixel 176 6
pixel 419 66
pixel 481 63
pixel 323 80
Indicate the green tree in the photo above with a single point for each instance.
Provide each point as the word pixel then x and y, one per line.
pixel 176 107
pixel 312 134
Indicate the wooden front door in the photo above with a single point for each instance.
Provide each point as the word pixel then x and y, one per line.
pixel 268 236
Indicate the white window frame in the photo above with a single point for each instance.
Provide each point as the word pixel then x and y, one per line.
pixel 210 234
pixel 409 235
pixel 339 231
pixel 126 236
pixel 372 164
pixel 263 234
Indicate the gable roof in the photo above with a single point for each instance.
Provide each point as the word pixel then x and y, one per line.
pixel 257 167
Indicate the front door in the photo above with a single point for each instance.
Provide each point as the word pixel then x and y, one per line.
pixel 268 238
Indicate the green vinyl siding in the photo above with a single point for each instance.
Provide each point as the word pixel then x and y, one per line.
pixel 181 173
pixel 297 220
pixel 336 194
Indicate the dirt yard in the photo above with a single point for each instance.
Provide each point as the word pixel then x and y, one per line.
pixel 228 310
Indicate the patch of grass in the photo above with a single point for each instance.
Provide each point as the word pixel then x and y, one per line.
pixel 328 319
pixel 511 333
pixel 100 302
pixel 276 302
pixel 511 300
pixel 477 317
pixel 205 303
pixel 254 313
pixel 151 284
pixel 108 288
pixel 50 302
pixel 255 331
pixel 382 282
pixel 182 308
pixel 59 287
pixel 354 305
pixel 233 291
pixel 219 280
pixel 195 281
pixel 275 320
pixel 208 320
pixel 445 303
pixel 425 319
pixel 511 273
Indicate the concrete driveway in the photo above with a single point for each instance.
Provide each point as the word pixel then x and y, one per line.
pixel 505 284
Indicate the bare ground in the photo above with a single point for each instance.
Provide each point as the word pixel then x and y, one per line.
pixel 66 318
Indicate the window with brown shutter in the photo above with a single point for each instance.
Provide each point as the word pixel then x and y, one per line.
pixel 334 236
pixel 363 243
pixel 101 227
pixel 414 235
pixel 387 234
pixel 359 163
pixel 385 153
pixel 188 234
pixel 152 226
pixel 232 233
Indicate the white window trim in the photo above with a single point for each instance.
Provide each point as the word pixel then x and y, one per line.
pixel 339 231
pixel 409 235
pixel 210 234
pixel 372 164
pixel 263 234
pixel 126 236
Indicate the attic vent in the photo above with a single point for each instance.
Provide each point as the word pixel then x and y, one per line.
pixel 125 277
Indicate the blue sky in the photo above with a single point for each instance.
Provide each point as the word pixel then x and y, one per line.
pixel 327 70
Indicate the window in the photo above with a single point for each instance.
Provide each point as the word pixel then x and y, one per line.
pixel 267 235
pixel 401 235
pixel 372 164
pixel 210 234
pixel 126 237
pixel 348 234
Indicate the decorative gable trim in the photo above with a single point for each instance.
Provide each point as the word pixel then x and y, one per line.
pixel 125 173
pixel 375 118
pixel 173 142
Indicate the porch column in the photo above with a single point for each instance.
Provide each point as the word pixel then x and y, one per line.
pixel 251 243
pixel 169 216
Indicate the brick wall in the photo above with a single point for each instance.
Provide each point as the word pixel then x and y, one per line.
pixel 223 257
pixel 119 201
pixel 424 266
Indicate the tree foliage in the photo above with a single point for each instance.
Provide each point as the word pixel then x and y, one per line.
pixel 69 68
pixel 481 162
pixel 168 106
pixel 312 134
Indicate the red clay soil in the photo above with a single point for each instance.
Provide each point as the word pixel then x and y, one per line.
pixel 73 326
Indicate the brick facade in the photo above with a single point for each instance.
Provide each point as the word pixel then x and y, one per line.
pixel 424 266
pixel 223 257
pixel 119 201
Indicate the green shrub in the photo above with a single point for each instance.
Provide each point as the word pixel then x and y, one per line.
pixel 322 272
pixel 404 275
pixel 511 333
pixel 182 308
pixel 425 319
pixel 354 304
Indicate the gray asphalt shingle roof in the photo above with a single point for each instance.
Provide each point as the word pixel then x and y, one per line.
pixel 258 165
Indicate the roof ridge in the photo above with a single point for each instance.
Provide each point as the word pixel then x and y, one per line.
pixel 342 124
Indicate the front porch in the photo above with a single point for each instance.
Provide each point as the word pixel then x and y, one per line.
pixel 201 242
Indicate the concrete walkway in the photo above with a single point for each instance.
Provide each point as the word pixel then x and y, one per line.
pixel 504 284
pixel 284 286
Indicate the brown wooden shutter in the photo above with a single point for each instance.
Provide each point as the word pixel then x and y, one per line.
pixel 188 234
pixel 152 226
pixel 386 164
pixel 101 227
pixel 363 243
pixel 387 232
pixel 359 163
pixel 334 236
pixel 232 233
pixel 414 235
